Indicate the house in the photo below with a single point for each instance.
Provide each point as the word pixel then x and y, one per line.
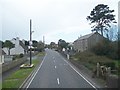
pixel 19 48
pixel 70 45
pixel 2 56
pixel 86 42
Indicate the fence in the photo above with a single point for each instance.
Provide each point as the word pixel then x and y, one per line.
pixel 105 73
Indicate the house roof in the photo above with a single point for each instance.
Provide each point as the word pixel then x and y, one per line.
pixel 85 36
pixel 21 43
pixel 2 52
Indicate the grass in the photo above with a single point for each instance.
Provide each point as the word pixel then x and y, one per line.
pixel 89 60
pixel 17 78
pixel 41 54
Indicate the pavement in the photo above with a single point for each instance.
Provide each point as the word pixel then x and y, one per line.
pixel 57 72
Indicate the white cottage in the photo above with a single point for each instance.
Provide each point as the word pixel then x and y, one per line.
pixel 19 48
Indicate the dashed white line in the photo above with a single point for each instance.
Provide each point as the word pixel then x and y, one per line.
pixel 55 66
pixel 80 75
pixel 58 81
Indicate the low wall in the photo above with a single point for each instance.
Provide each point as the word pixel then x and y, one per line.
pixel 13 64
pixel 112 81
pixel 8 58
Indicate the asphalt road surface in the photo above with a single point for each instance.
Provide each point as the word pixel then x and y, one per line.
pixel 56 72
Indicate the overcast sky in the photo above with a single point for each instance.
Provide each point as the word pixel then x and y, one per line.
pixel 54 19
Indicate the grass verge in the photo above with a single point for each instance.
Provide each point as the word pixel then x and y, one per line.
pixel 18 77
pixel 90 60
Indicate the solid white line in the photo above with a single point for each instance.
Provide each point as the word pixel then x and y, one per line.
pixel 36 72
pixel 81 75
pixel 58 81
pixel 55 66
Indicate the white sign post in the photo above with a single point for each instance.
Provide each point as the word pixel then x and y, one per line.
pixel 68 56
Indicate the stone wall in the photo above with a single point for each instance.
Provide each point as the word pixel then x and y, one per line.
pixel 112 81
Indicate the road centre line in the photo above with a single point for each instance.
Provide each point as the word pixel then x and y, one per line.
pixel 55 66
pixel 36 72
pixel 58 81
pixel 80 75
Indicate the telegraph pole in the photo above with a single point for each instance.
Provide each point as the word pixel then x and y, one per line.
pixel 30 41
pixel 44 40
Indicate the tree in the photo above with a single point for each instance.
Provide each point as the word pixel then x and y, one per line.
pixel 102 17
pixel 1 44
pixel 52 44
pixel 62 44
pixel 40 46
pixel 8 45
pixel 26 43
pixel 34 43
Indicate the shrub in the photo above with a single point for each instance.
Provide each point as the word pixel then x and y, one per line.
pixel 110 64
pixel 14 57
pixel 21 55
pixel 17 56
pixel 106 48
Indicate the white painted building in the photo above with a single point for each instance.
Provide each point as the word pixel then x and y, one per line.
pixel 19 48
pixel 5 50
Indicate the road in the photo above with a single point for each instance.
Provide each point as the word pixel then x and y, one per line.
pixel 56 72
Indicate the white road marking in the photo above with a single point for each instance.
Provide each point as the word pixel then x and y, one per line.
pixel 36 72
pixel 80 75
pixel 58 81
pixel 66 64
pixel 55 66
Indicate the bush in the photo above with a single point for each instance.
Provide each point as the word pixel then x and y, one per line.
pixel 110 64
pixel 18 56
pixel 21 55
pixel 106 48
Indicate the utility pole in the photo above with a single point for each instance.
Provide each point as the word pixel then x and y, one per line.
pixel 30 41
pixel 44 40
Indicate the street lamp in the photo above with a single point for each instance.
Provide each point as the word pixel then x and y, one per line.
pixel 30 41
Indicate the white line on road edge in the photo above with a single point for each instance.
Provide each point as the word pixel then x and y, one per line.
pixel 55 66
pixel 81 75
pixel 36 72
pixel 58 81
